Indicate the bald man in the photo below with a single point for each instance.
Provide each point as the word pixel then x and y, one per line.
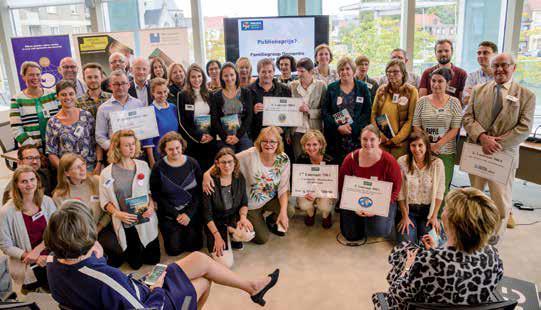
pixel 68 69
pixel 140 86
pixel 117 61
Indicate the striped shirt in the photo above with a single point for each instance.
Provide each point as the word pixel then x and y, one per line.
pixel 28 116
pixel 437 122
pixel 475 78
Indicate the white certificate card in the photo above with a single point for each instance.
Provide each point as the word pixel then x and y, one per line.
pixel 282 112
pixel 372 196
pixel 496 167
pixel 319 180
pixel 140 120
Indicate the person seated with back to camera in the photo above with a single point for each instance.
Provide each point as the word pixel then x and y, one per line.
pixel 463 271
pixel 226 209
pixel 80 279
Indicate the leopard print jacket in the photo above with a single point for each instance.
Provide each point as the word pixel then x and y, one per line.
pixel 442 275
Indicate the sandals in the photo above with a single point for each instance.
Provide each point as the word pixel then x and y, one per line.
pixel 258 298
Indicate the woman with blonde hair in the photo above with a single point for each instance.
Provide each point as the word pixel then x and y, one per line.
pixel 313 144
pixel 23 220
pixel 124 193
pixel 176 79
pixel 245 71
pixel 225 211
pixel 266 168
pixel 74 182
pixel 463 271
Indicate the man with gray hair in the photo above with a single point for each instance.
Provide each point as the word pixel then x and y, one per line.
pixel 68 69
pixel 140 86
pixel 120 101
pixel 499 118
pixel 117 61
pixel 402 55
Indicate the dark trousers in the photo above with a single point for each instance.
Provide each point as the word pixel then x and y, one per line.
pixel 418 215
pixel 203 153
pixel 136 254
pixel 243 144
pixel 109 242
pixel 41 276
pixel 178 238
pixel 355 228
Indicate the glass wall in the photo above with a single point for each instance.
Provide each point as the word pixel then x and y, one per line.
pixel 47 20
pixel 369 28
pixel 529 57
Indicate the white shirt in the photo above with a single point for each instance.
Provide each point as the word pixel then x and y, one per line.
pixel 475 78
pixel 200 106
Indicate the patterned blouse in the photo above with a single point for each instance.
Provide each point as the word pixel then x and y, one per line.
pixel 77 138
pixel 442 275
pixel 332 77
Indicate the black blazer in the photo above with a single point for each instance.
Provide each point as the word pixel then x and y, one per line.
pixel 217 102
pixel 133 92
pixel 186 119
pixel 213 204
pixel 278 90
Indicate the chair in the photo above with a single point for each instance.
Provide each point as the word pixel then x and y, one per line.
pixel 499 305
pixel 7 143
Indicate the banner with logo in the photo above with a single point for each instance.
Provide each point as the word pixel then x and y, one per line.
pixel 47 51
pixel 170 44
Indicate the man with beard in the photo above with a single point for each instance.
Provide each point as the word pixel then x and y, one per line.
pixel 94 96
pixel 444 52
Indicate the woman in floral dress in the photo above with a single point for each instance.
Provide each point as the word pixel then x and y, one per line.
pixel 266 168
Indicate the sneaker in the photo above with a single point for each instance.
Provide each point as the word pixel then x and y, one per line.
pixel 235 245
pixel 511 221
pixel 327 222
pixel 273 227
pixel 309 220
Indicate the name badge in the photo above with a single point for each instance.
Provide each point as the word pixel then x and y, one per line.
pixel 369 85
pixel 190 107
pixel 360 99
pixel 395 98
pixel 94 198
pixel 339 101
pixel 511 98
pixel 451 89
pixel 36 216
pixel 108 183
pixel 78 131
pixel 46 113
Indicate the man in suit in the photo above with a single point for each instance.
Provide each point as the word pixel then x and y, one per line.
pixel 499 118
pixel 117 61
pixel 140 86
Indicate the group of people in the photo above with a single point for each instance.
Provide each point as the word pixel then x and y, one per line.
pixel 203 179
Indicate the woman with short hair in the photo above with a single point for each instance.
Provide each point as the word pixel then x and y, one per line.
pixel 323 70
pixel 362 64
pixel 176 80
pixel 266 168
pixel 124 193
pixel 23 220
pixel 80 278
pixel 213 71
pixel 463 271
pixel 175 183
pixel 344 97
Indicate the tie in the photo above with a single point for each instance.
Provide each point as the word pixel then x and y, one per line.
pixel 497 107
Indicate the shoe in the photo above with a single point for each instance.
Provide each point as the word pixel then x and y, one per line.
pixel 511 221
pixel 236 245
pixel 309 220
pixel 327 222
pixel 258 298
pixel 273 227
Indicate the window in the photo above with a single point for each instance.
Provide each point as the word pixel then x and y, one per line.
pixel 360 27
pixel 51 9
pixel 55 30
pixel 74 9
pixel 32 22
pixel 528 71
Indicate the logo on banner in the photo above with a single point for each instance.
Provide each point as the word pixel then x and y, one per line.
pixel 154 38
pixel 251 25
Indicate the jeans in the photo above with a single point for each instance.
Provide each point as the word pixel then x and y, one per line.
pixel 418 215
pixel 355 228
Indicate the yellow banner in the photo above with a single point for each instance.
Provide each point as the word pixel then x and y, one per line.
pixel 94 43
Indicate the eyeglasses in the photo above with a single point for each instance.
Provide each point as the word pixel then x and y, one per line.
pixel 69 67
pixel 504 66
pixel 226 162
pixel 32 158
pixel 269 142
pixel 393 71
pixel 119 84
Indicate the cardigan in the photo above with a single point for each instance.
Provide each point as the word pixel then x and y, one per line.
pixel 315 101
pixel 147 231
pixel 216 101
pixel 437 174
pixel 213 204
pixel 14 240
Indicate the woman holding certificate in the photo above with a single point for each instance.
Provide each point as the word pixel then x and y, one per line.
pixel 194 117
pixel 440 116
pixel 463 271
pixel 346 110
pixel 175 183
pixel 393 108
pixel 124 194
pixel 313 145
pixel 423 185
pixel 312 92
pixel 266 168
pixel 233 110
pixel 372 163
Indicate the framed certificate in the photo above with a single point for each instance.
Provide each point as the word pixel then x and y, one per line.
pixel 282 112
pixel 319 180
pixel 372 196
pixel 140 120
pixel 496 167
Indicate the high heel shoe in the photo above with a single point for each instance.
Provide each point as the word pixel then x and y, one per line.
pixel 258 298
